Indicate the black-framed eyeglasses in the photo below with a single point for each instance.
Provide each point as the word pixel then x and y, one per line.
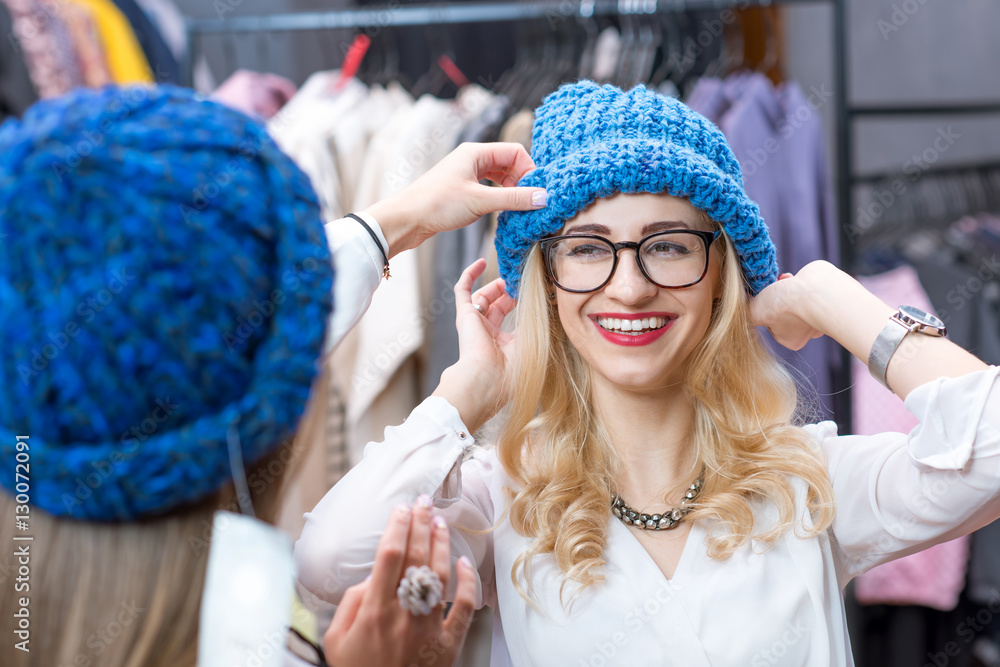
pixel 585 263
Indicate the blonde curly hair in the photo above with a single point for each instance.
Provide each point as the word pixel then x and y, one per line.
pixel 563 463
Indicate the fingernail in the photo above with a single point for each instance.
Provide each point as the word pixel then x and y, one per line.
pixel 423 502
pixel 464 562
pixel 368 578
pixel 540 198
pixel 440 523
pixel 402 511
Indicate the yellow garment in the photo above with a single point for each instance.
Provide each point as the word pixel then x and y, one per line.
pixel 126 61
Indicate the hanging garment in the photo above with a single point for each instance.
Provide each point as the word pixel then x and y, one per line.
pixel 933 578
pixel 777 138
pixel 326 132
pixel 454 251
pixel 254 93
pixel 86 41
pixel 326 128
pixel 16 90
pixel 381 364
pixel 169 21
pixel 126 60
pixel 46 46
pixel 159 55
pixel 970 307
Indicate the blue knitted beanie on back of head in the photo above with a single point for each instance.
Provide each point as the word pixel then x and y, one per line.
pixel 591 141
pixel 163 275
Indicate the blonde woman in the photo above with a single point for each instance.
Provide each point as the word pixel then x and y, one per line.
pixel 651 498
pixel 166 283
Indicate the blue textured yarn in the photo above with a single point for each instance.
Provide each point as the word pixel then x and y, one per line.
pixel 591 141
pixel 163 272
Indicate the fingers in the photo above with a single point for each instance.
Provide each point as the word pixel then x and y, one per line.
pixel 347 610
pixel 501 308
pixel 441 550
pixel 495 301
pixel 463 288
pixel 508 158
pixel 390 554
pixel 513 199
pixel 486 295
pixel 460 615
pixel 418 548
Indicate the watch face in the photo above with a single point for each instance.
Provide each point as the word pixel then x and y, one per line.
pixel 920 317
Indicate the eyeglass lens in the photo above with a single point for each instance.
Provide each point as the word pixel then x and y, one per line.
pixel 670 259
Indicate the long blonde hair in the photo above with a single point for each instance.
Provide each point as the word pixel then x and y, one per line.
pixel 125 594
pixel 561 459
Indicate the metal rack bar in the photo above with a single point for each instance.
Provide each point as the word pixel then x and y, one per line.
pixel 946 170
pixel 467 12
pixel 844 132
pixel 926 109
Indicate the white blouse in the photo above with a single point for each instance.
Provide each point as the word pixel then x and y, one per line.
pixel 895 493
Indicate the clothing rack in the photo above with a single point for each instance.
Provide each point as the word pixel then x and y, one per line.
pixel 488 12
pixel 846 113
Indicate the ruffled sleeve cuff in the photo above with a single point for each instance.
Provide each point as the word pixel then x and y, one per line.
pixel 953 414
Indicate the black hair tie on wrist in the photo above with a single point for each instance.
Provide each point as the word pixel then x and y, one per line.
pixel 385 269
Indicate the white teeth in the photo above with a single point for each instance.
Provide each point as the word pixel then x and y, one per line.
pixel 618 325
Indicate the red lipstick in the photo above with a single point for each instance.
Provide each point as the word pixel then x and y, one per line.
pixel 633 340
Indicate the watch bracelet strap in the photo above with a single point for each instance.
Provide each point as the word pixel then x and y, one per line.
pixel 884 347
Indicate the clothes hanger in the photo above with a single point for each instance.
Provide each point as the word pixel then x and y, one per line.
pixel 588 24
pixel 627 29
pixel 434 79
pixel 671 48
pixel 686 73
pixel 548 74
pixel 229 58
pixel 770 59
pixel 513 81
pixel 650 38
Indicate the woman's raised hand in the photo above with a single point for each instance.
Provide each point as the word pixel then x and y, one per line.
pixel 372 628
pixel 781 307
pixel 449 195
pixel 474 384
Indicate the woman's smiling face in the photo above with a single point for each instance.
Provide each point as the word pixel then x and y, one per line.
pixel 632 333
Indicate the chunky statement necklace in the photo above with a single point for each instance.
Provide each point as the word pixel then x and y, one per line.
pixel 665 521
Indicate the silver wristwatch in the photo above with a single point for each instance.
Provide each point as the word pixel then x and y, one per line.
pixel 904 321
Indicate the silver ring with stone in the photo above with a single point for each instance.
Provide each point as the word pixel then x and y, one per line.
pixel 482 311
pixel 420 590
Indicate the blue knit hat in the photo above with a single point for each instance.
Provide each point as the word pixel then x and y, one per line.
pixel 592 141
pixel 163 274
